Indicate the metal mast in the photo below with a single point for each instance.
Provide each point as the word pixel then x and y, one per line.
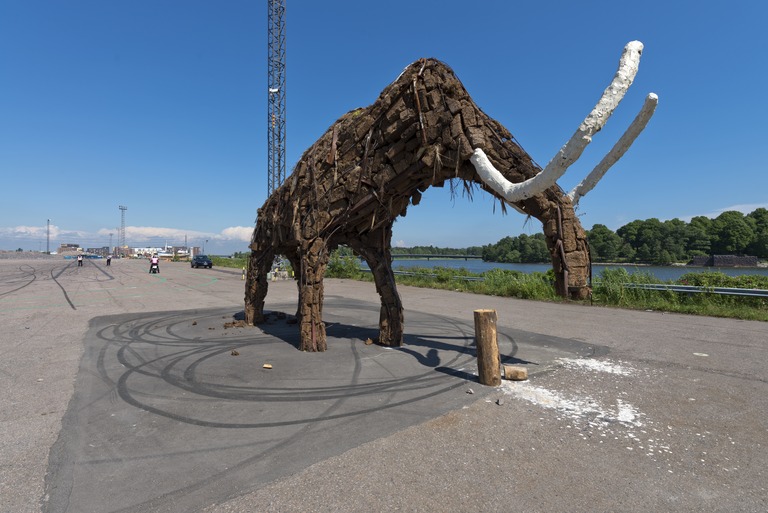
pixel 121 236
pixel 276 92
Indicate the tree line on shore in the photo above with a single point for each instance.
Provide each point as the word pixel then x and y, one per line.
pixel 652 241
pixel 649 241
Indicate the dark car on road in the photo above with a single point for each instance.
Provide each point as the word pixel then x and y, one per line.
pixel 201 261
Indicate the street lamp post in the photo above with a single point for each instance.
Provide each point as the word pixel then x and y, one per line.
pixel 48 238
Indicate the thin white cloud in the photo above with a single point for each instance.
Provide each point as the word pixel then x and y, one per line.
pixel 744 208
pixel 25 232
pixel 141 233
pixel 38 232
pixel 135 234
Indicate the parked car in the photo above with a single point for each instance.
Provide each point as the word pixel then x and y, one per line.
pixel 201 261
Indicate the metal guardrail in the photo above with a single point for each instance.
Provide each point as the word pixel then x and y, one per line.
pixel 726 291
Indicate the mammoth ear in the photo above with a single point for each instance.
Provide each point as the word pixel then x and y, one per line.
pixel 568 154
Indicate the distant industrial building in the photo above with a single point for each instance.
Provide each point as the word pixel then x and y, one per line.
pixel 69 248
pixel 103 251
pixel 725 261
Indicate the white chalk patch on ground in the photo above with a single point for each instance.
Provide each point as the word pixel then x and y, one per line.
pixel 596 365
pixel 575 408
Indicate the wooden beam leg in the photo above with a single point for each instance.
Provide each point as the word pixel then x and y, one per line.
pixel 379 259
pixel 313 264
pixel 256 286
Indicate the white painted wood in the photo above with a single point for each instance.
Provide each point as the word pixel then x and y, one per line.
pixel 618 150
pixel 568 154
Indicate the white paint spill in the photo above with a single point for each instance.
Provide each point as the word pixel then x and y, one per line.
pixel 604 418
pixel 700 354
pixel 596 365
pixel 575 408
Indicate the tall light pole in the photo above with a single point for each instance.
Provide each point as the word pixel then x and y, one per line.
pixel 48 239
pixel 204 243
pixel 109 250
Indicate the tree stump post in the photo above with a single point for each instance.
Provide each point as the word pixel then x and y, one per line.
pixel 488 363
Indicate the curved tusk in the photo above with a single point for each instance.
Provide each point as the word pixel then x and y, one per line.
pixel 618 150
pixel 568 154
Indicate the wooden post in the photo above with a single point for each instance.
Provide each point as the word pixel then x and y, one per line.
pixel 488 364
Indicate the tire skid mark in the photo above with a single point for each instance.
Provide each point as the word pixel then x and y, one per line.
pixel 26 274
pixel 63 290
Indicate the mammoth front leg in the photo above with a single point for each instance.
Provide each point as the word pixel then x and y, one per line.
pixel 313 263
pixel 570 252
pixel 379 259
pixel 256 285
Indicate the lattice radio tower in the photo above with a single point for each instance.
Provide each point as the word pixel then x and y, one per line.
pixel 121 235
pixel 276 85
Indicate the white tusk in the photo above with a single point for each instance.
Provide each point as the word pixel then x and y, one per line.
pixel 618 150
pixel 568 154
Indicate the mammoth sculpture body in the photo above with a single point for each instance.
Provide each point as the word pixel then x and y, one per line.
pixel 371 164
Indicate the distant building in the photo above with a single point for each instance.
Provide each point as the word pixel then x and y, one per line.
pixel 69 248
pixel 725 261
pixel 103 251
pixel 165 252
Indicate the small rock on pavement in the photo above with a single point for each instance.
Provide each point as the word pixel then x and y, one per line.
pixel 515 373
pixel 470 391
pixel 500 401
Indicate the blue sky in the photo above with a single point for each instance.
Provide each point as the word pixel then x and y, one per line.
pixel 161 106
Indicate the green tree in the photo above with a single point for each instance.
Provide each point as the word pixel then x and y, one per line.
pixel 760 218
pixel 674 241
pixel 604 244
pixel 646 238
pixel 523 248
pixel 698 233
pixel 732 233
pixel 664 257
pixel 626 253
pixel 532 248
pixel 759 246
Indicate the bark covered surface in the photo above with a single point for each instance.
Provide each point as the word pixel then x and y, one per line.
pixel 368 168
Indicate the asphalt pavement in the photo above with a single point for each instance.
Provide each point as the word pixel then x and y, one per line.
pixel 133 392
